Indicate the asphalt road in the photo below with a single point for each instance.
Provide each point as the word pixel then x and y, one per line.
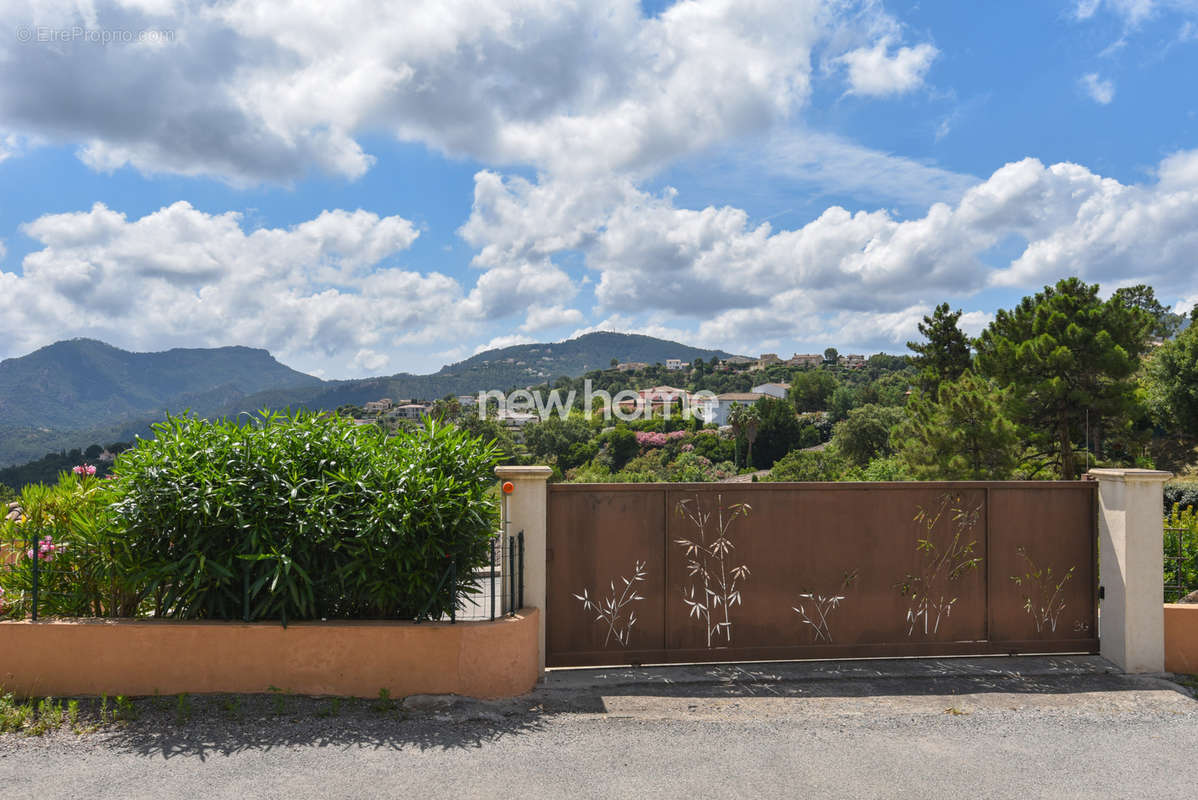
pixel 1018 728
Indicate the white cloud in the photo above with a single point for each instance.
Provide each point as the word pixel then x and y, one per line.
pixel 10 145
pixel 1132 12
pixel 320 295
pixel 729 282
pixel 1100 91
pixel 327 294
pixel 266 90
pixel 505 290
pixel 541 318
pixel 836 165
pixel 508 340
pixel 974 322
pixel 874 72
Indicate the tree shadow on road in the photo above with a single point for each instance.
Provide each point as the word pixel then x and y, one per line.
pixel 228 724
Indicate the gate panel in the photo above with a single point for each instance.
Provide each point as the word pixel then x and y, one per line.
pixel 719 572
pixel 824 567
pixel 1043 576
pixel 600 543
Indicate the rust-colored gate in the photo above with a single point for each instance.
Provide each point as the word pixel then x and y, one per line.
pixel 661 573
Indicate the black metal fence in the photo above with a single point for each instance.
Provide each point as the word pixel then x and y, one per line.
pixel 38 583
pixel 41 584
pixel 494 591
pixel 1181 563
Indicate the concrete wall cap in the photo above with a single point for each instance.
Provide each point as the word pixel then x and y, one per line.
pixel 1131 474
pixel 523 472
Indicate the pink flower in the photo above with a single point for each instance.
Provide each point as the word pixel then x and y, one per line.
pixel 46 549
pixel 84 469
pixel 646 439
pixel 650 439
pixel 686 448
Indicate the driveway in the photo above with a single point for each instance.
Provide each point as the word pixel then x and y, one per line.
pixel 1004 727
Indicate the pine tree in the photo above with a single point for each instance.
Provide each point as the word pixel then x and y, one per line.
pixel 1060 353
pixel 961 434
pixel 945 354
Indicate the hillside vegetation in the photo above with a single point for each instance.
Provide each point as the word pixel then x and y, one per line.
pixel 75 393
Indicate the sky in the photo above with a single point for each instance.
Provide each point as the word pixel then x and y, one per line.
pixel 365 188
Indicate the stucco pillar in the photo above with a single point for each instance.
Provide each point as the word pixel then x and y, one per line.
pixel 1131 567
pixel 527 510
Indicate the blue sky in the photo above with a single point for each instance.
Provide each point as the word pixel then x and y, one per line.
pixel 371 192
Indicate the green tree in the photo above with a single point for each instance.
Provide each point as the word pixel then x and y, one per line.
pixel 489 430
pixel 555 438
pixel 865 433
pixel 809 465
pixel 945 353
pixel 621 447
pixel 744 421
pixel 1063 352
pixel 962 434
pixel 843 400
pixel 831 356
pixel 779 431
pixel 889 390
pixel 810 390
pixel 1165 324
pixel 1173 384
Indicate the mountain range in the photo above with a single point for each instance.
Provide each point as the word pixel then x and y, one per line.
pixel 82 391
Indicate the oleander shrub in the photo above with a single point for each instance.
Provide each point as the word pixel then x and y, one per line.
pixel 85 565
pixel 305 516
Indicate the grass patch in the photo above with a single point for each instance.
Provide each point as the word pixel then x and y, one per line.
pixel 32 716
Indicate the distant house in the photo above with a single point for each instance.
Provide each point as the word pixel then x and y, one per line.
pixel 736 361
pixel 674 363
pixel 467 400
pixel 805 360
pixel 766 360
pixel 779 390
pixel 413 411
pixel 514 419
pixel 657 398
pixel 852 361
pixel 724 402
pixel 378 405
pixel 631 366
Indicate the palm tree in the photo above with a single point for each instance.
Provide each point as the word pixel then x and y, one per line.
pixel 744 420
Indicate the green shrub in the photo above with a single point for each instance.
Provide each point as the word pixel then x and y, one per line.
pixel 1181 493
pixel 305 516
pixel 714 447
pixel 1181 568
pixel 882 468
pixel 809 465
pixel 619 445
pixel 86 567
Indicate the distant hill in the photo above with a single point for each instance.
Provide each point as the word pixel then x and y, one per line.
pixel 79 392
pixel 505 368
pixel 82 391
pixel 83 380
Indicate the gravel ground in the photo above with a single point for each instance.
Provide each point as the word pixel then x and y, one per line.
pixel 991 728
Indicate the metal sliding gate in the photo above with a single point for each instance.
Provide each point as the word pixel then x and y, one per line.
pixel 668 573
